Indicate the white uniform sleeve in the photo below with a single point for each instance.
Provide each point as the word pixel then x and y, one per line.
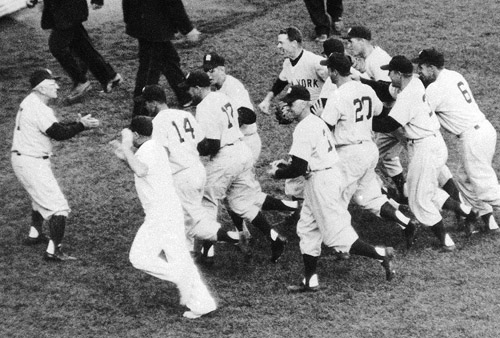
pixel 45 118
pixel 210 124
pixel 301 145
pixel 332 111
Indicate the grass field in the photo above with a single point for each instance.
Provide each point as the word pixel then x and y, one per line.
pixel 102 295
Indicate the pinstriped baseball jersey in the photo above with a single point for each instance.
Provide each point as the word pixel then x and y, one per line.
pixel 179 132
pixel 378 57
pixel 316 148
pixel 451 98
pixel 218 118
pixel 307 73
pixel 413 112
pixel 351 109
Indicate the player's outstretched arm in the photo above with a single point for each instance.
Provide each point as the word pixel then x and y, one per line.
pixel 266 103
pixel 63 131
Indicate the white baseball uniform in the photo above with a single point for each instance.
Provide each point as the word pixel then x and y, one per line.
pixel 179 132
pixel 308 73
pixel 389 145
pixel 452 100
pixel 163 231
pixel 324 216
pixel 230 172
pixel 31 151
pixel 350 109
pixel 426 150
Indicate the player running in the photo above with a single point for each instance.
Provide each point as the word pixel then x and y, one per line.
pixel 324 217
pixel 451 98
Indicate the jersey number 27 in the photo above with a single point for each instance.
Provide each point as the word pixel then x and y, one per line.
pixel 363 108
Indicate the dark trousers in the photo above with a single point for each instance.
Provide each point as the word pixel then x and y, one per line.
pixel 322 17
pixel 76 54
pixel 156 58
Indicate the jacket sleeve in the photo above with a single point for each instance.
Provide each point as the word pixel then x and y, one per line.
pixel 63 131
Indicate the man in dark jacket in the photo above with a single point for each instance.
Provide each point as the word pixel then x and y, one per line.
pixel 150 22
pixel 69 40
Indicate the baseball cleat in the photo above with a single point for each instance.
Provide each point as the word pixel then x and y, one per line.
pixel 469 224
pixel 41 239
pixel 277 248
pixel 58 256
pixel 194 314
pixel 387 264
pixel 311 286
pixel 114 82
pixel 244 244
pixel 78 91
pixel 490 225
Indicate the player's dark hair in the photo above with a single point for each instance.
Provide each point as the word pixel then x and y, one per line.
pixel 142 125
pixel 293 34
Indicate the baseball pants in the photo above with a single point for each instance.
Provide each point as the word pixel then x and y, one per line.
pixel 427 156
pixel 324 217
pixel 37 178
pixel 390 146
pixel 477 180
pixel 230 174
pixel 159 249
pixel 189 185
pixel 358 162
pixel 323 13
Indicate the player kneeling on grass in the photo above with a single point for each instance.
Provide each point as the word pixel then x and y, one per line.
pixel 159 247
pixel 324 216
pixel 36 125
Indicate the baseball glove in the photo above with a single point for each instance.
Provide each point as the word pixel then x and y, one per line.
pixel 283 114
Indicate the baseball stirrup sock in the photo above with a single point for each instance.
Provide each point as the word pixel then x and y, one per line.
pixel 451 204
pixel 451 188
pixel 361 248
pixel 272 203
pixel 310 266
pixel 36 224
pixel 261 223
pixel 388 212
pixel 237 220
pixel 57 224
pixel 225 236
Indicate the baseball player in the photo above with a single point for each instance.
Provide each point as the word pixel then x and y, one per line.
pixel 179 133
pixel 230 168
pixel 450 97
pixel 159 247
pixel 214 66
pixel 35 126
pixel 426 149
pixel 324 217
pixel 389 144
pixel 300 67
pixel 349 113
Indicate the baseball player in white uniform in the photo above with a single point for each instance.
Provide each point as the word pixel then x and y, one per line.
pixel 36 125
pixel 230 168
pixel 179 133
pixel 390 145
pixel 159 247
pixel 426 149
pixel 451 98
pixel 349 113
pixel 324 217
pixel 300 67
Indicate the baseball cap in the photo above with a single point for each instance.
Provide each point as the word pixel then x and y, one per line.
pixel 359 32
pixel 295 93
pixel 431 57
pixel 211 61
pixel 196 79
pixel 339 62
pixel 41 74
pixel 152 93
pixel 399 63
pixel 333 45
pixel 142 125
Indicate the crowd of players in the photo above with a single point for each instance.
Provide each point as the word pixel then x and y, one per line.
pixel 353 111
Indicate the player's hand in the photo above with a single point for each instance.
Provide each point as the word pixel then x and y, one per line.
pixel 264 106
pixel 117 149
pixel 275 165
pixel 193 36
pixel 127 138
pixel 88 121
pixel 96 6
pixel 31 3
pixel 317 107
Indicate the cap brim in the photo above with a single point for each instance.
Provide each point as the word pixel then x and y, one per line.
pixel 184 85
pixel 288 99
pixel 346 37
pixel 139 99
pixel 417 60
pixel 324 62
pixel 385 67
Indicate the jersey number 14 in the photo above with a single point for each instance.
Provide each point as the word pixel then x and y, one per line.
pixel 188 128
